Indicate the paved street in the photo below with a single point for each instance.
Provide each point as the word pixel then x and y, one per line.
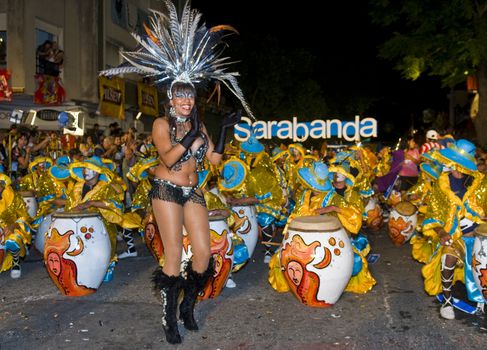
pixel 124 314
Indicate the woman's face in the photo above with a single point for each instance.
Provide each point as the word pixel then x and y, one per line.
pixel 54 263
pixel 411 144
pixel 183 103
pixel 89 140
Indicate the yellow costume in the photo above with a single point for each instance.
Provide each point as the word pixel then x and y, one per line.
pixel 14 230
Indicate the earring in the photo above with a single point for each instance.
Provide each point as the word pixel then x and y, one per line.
pixel 172 111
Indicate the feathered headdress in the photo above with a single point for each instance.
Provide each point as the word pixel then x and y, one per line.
pixel 180 50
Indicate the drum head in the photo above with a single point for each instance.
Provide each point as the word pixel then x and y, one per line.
pixel 27 193
pixel 218 217
pixel 405 208
pixel 315 223
pixel 481 230
pixel 75 214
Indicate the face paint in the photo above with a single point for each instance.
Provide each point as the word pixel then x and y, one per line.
pixel 89 174
pixel 340 177
pixel 446 169
pixel 184 94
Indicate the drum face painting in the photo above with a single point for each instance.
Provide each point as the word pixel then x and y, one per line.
pixel 479 259
pixel 153 241
pixel 246 225
pixel 77 252
pixel 374 214
pixel 402 222
pixel 222 252
pixel 30 202
pixel 317 259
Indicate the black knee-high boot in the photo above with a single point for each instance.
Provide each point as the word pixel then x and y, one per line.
pixel 193 284
pixel 168 287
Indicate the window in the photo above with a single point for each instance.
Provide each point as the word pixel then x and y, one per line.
pixel 49 55
pixel 3 49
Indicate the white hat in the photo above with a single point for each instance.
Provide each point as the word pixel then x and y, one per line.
pixel 432 135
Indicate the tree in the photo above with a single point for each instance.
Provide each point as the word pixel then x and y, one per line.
pixel 440 38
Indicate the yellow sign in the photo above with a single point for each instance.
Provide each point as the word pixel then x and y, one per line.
pixel 112 97
pixel 147 97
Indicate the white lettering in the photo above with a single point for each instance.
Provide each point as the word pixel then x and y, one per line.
pixel 239 129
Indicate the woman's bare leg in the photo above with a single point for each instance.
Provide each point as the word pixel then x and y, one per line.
pixel 198 228
pixel 169 218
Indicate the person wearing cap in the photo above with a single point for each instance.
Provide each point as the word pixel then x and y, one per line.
pixel 92 191
pixel 457 204
pixel 423 245
pixel 15 233
pixel 37 169
pixel 431 143
pixel 348 208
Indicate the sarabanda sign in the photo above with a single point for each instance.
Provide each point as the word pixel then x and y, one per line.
pixel 350 130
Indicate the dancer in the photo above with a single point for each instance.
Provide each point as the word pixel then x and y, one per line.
pixel 180 52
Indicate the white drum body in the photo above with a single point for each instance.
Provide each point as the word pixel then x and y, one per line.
pixel 246 225
pixel 42 231
pixel 77 252
pixel 317 259
pixel 221 251
pixel 479 259
pixel 30 202
pixel 402 222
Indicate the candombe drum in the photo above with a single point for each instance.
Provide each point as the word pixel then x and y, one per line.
pixel 152 239
pixel 373 213
pixel 402 222
pixel 77 252
pixel 246 225
pixel 317 259
pixel 222 252
pixel 479 259
pixel 30 202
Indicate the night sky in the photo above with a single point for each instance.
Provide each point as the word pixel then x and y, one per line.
pixel 344 41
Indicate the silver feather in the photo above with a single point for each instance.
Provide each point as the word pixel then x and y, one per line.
pixel 180 49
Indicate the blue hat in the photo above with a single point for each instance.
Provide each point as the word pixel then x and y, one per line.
pixel 60 170
pixel 460 156
pixel 343 169
pixel 233 174
pixel 316 177
pixel 252 145
pixel 432 169
pixel 343 156
pixel 278 152
pixel 203 177
pixel 94 163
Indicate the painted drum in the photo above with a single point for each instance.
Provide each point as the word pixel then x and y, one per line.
pixel 246 225
pixel 373 214
pixel 77 252
pixel 222 252
pixel 402 222
pixel 317 259
pixel 42 232
pixel 479 259
pixel 30 202
pixel 152 239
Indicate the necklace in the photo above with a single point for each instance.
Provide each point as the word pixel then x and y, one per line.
pixel 178 119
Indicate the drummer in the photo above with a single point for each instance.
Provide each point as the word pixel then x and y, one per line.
pixel 37 169
pixel 92 191
pixel 14 231
pixel 458 203
pixel 423 245
pixel 344 202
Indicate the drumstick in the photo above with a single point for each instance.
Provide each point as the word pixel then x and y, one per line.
pixel 271 243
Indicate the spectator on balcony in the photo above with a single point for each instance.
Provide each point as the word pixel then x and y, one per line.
pixel 43 53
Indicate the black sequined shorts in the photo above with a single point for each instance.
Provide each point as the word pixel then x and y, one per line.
pixel 167 191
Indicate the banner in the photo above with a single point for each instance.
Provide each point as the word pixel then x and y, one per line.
pixel 350 130
pixel 112 97
pixel 49 90
pixel 147 97
pixel 5 89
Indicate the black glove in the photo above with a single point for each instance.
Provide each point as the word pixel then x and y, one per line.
pixel 194 132
pixel 228 121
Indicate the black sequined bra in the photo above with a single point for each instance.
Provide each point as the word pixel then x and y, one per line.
pixel 198 155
